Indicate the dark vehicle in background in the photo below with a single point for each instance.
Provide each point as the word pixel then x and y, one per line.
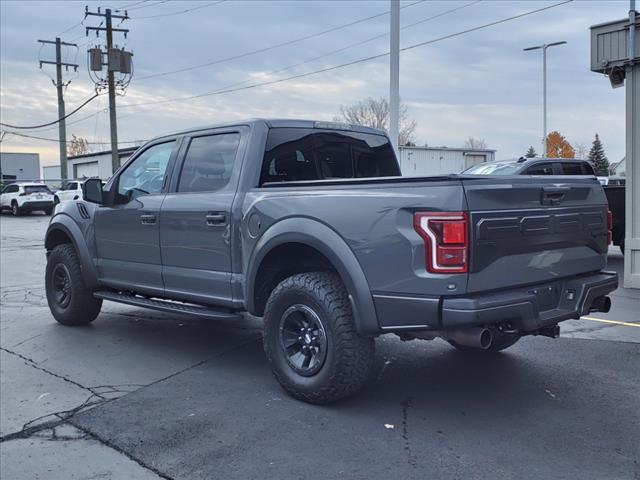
pixel 615 192
pixel 533 166
pixel 310 226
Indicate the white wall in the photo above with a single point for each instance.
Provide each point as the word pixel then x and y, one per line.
pixel 25 166
pixel 417 161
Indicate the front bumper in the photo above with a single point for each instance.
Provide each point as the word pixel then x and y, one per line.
pixel 34 206
pixel 526 309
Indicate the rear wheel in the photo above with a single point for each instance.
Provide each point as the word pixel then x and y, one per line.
pixel 16 211
pixel 501 341
pixel 311 341
pixel 70 302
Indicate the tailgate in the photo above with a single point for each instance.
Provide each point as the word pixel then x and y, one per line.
pixel 526 230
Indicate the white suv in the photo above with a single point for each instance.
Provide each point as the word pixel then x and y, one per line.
pixel 20 198
pixel 71 190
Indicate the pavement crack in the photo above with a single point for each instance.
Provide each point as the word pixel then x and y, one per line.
pixel 33 364
pixel 103 441
pixel 406 405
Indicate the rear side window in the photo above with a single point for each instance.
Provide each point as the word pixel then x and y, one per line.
pixel 208 163
pixel 36 189
pixel 540 169
pixel 298 154
pixel 571 169
pixel 12 189
pixel 588 169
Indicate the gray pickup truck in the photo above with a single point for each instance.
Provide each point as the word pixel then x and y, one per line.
pixel 310 226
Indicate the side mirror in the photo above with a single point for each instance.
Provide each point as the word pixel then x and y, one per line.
pixel 92 190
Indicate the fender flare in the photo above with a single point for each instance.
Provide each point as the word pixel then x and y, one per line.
pixel 68 226
pixel 319 236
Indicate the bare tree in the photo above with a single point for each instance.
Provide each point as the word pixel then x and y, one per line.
pixel 581 149
pixel 475 143
pixel 77 146
pixel 374 112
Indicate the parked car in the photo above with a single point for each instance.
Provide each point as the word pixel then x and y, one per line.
pixel 71 190
pixel 533 166
pixel 615 193
pixel 310 226
pixel 19 198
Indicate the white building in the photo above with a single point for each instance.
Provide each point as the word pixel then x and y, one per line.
pixel 425 161
pixel 19 167
pixel 96 164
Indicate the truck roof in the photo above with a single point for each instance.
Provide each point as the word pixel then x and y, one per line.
pixel 285 123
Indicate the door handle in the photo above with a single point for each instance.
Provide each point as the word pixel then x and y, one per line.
pixel 148 219
pixel 215 218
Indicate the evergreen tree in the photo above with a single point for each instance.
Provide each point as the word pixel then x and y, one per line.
pixel 598 159
pixel 531 153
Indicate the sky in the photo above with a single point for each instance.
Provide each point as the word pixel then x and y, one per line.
pixel 480 84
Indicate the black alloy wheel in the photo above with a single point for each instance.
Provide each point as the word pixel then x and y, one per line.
pixel 303 339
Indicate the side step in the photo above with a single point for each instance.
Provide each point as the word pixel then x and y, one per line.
pixel 167 305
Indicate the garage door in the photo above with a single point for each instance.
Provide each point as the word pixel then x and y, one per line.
pixel 86 170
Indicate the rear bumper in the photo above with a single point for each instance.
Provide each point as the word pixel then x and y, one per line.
pixel 525 308
pixel 33 206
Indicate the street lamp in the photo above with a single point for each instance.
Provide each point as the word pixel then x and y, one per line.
pixel 544 47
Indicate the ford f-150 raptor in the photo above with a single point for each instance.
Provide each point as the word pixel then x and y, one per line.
pixel 311 226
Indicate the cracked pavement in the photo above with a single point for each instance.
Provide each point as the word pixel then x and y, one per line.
pixel 147 395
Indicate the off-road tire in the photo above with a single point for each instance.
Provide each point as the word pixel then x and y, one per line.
pixel 500 342
pixel 16 211
pixel 82 307
pixel 349 356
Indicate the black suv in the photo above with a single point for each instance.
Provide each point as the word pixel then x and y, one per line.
pixel 533 166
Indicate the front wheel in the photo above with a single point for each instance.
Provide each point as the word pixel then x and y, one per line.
pixel 70 302
pixel 311 341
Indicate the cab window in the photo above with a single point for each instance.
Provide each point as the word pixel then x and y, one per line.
pixel 540 169
pixel 208 163
pixel 145 175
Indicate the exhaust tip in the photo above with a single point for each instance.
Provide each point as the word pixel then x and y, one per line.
pixel 486 339
pixel 601 304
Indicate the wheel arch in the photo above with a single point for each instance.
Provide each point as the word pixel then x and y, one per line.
pixel 322 248
pixel 63 229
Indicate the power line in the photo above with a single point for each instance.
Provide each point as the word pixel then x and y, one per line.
pixel 272 47
pixel 354 62
pixel 357 44
pixel 169 14
pixel 58 141
pixel 31 127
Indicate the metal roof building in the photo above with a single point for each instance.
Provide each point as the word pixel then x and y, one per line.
pixel 96 164
pixel 424 161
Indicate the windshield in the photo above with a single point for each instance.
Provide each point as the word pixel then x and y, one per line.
pixel 493 169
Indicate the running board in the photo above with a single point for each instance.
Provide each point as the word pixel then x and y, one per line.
pixel 167 306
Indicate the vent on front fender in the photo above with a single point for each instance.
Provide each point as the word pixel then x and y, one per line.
pixel 82 209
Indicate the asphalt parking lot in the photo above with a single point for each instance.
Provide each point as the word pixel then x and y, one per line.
pixel 144 395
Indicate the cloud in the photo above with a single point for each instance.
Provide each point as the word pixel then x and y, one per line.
pixel 479 84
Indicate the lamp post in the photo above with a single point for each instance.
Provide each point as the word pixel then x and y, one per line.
pixel 544 47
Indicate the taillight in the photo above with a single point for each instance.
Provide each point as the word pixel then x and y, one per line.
pixel 22 194
pixel 609 227
pixel 446 240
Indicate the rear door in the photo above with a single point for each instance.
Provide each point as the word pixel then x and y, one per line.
pixel 195 221
pixel 526 230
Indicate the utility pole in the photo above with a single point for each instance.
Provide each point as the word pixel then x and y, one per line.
pixel 60 85
pixel 112 67
pixel 544 47
pixel 394 78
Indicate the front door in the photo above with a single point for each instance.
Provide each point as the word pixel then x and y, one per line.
pixel 195 221
pixel 127 231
